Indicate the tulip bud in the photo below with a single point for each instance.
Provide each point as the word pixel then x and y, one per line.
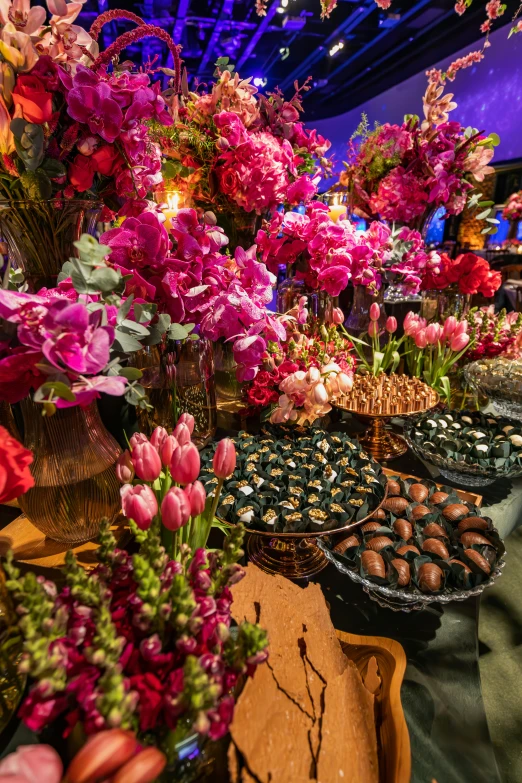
pixel 158 438
pixel 188 419
pixel 391 324
pixel 139 503
pixel 101 756
pixel 375 312
pixel 459 341
pixel 197 498
pixel 168 448
pixel 143 768
pixel 224 462
pixel 138 437
pixel 373 328
pixel 345 382
pixel 175 509
pixel 420 338
pixel 185 463
pixel 337 316
pixel 125 468
pixel 320 394
pixel 449 327
pixel 433 334
pixel 461 328
pixel 147 463
pixel 182 433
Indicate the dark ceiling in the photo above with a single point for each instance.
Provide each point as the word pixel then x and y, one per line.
pixel 379 48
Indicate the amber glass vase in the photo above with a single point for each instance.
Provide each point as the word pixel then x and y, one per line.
pixel 40 235
pixel 74 472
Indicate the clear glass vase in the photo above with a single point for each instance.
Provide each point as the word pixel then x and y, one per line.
pixel 292 288
pixel 179 377
pixel 359 317
pixel 228 388
pixel 40 235
pixel 437 305
pixel 74 472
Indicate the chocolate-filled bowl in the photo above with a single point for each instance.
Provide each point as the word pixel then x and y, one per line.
pixel 424 545
pixel 472 449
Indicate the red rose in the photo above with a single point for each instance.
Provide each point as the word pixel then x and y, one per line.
pixel 470 272
pixel 81 173
pixel 107 159
pixel 15 476
pixel 19 374
pixel 491 284
pixel 30 95
pixel 229 182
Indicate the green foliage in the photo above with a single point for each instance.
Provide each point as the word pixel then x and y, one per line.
pixel 223 64
pixel 29 143
pixel 182 332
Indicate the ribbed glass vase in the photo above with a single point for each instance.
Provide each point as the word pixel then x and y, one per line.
pixel 74 472
pixel 40 235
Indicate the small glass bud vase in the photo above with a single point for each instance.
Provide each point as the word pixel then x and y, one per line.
pixel 359 317
pixel 292 288
pixel 437 305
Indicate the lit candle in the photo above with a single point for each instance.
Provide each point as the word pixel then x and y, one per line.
pixel 172 208
pixel 335 210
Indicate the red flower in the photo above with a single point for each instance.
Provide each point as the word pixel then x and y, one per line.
pixel 151 691
pixel 107 159
pixel 491 284
pixel 19 374
pixel 15 476
pixel 81 173
pixel 30 95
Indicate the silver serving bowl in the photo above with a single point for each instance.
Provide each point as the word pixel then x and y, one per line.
pixel 500 380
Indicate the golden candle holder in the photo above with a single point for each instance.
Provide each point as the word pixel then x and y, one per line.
pixel 375 400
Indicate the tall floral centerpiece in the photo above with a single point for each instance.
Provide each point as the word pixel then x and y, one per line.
pixel 72 136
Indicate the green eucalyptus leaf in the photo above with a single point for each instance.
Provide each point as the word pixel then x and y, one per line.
pixel 58 388
pixel 105 278
pixel 131 373
pixel 53 168
pixel 125 343
pixel 124 309
pixel 177 332
pixel 144 313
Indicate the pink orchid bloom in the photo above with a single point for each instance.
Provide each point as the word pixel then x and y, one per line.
pixel 20 14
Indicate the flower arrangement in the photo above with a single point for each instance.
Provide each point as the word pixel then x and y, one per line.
pixel 161 486
pixel 469 273
pixel 328 255
pixel 513 208
pixel 140 643
pixel 382 358
pixel 233 150
pixel 401 172
pixel 431 350
pixel 195 284
pixel 493 334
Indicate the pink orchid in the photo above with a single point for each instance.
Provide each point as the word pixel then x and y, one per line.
pixel 95 107
pixel 19 13
pixel 89 389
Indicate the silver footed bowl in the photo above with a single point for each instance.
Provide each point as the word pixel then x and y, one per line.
pixel 499 379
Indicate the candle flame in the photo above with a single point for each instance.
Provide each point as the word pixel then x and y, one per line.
pixel 173 200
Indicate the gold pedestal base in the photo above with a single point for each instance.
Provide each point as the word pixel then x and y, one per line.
pixel 295 558
pixel 380 442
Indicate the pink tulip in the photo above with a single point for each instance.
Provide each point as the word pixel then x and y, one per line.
pixel 409 319
pixel 461 328
pixel 459 341
pixel 197 498
pixel 373 328
pixel 449 327
pixel 102 756
pixel 139 503
pixel 375 312
pixel 138 437
pixel 224 462
pixel 345 382
pixel 182 433
pixel 168 448
pixel 32 764
pixel 433 334
pixel 145 767
pixel 420 338
pixel 391 324
pixel 125 468
pixel 175 509
pixel 185 464
pixel 158 438
pixel 146 460
pixel 337 316
pixel 320 394
pixel 188 420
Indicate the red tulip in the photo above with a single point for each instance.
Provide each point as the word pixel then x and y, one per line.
pixel 188 420
pixel 420 338
pixel 373 328
pixel 375 312
pixel 461 328
pixel 146 460
pixel 224 462
pixel 182 434
pixel 449 327
pixel 125 468
pixel 337 316
pixel 101 756
pixel 197 498
pixel 138 437
pixel 433 334
pixel 459 341
pixel 139 503
pixel 185 464
pixel 143 768
pixel 175 509
pixel 167 449
pixel 158 438
pixel 391 324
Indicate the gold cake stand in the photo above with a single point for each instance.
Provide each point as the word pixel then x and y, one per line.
pixel 294 555
pixel 377 400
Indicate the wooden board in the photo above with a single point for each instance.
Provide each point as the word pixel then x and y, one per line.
pixel 31 547
pixel 392 732
pixel 468 497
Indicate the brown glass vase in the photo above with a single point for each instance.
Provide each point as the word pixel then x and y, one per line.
pixel 74 472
